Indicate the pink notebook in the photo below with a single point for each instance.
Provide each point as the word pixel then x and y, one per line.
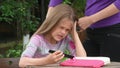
pixel 82 63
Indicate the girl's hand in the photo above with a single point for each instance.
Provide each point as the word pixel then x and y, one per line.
pixel 79 49
pixel 54 57
pixel 74 27
pixel 74 31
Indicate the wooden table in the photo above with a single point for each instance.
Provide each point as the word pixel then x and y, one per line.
pixel 111 65
pixel 9 62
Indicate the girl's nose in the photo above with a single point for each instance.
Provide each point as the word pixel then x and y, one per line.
pixel 63 31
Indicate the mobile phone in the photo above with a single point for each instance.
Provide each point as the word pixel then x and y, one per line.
pixel 66 55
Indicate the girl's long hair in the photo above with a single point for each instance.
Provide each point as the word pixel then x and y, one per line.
pixel 58 13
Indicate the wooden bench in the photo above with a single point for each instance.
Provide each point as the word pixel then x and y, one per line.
pixel 9 62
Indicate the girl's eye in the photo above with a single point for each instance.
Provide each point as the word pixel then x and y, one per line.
pixel 67 30
pixel 62 27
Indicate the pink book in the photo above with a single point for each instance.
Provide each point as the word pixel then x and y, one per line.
pixel 83 63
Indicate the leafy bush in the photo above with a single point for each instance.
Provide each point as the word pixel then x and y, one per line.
pixel 14 51
pixel 78 5
pixel 20 13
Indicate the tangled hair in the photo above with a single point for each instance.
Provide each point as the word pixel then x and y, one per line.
pixel 57 14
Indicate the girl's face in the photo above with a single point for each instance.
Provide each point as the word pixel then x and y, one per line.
pixel 61 30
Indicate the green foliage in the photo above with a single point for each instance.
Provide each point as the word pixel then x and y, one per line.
pixel 30 25
pixel 66 52
pixel 28 21
pixel 14 51
pixel 7 11
pixel 67 2
pixel 20 12
pixel 78 5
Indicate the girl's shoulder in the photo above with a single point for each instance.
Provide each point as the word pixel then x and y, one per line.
pixel 36 39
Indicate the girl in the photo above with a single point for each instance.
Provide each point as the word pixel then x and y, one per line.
pixel 53 34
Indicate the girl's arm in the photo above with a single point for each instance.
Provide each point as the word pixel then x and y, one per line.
pixel 80 51
pixel 27 57
pixel 51 58
pixel 24 61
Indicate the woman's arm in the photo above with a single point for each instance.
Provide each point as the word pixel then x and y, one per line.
pixel 107 12
pixel 49 10
pixel 52 4
pixel 85 22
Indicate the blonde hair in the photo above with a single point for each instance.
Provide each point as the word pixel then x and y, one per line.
pixel 58 13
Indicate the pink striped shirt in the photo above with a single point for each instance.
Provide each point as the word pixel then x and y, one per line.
pixel 39 47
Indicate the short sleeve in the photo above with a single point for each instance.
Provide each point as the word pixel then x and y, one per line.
pixel 31 48
pixel 53 3
pixel 117 4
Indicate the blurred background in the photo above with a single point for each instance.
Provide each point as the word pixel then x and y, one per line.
pixel 19 19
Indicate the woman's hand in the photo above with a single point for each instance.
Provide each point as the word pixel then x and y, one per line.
pixel 54 57
pixel 85 22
